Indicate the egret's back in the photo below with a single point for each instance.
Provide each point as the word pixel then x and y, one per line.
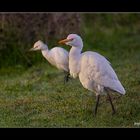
pixel 60 58
pixel 96 69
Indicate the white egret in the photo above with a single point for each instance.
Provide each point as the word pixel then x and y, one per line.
pixel 94 70
pixel 57 57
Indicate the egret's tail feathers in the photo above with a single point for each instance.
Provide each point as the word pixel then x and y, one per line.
pixel 118 88
pixel 121 91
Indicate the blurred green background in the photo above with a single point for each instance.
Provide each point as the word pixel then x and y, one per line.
pixel 27 94
pixel 19 31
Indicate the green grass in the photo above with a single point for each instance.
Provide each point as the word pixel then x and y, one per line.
pixel 37 97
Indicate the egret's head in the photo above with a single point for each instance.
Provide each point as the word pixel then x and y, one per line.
pixel 72 40
pixel 39 45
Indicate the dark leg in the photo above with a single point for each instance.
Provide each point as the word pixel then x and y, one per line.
pixel 97 103
pixel 110 100
pixel 66 77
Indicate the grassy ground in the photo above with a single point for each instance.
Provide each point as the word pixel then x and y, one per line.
pixel 37 97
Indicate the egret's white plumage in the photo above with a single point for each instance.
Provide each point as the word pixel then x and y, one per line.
pixel 56 56
pixel 94 70
pixel 96 74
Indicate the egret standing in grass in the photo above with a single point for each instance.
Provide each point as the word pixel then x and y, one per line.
pixel 57 56
pixel 94 70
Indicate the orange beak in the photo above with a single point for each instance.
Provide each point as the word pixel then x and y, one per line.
pixel 64 41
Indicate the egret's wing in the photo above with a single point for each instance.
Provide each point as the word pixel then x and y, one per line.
pixel 98 69
pixel 60 57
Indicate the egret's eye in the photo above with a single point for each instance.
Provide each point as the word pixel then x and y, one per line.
pixel 71 39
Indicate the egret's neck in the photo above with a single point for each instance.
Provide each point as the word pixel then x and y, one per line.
pixel 75 51
pixel 45 52
pixel 74 61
